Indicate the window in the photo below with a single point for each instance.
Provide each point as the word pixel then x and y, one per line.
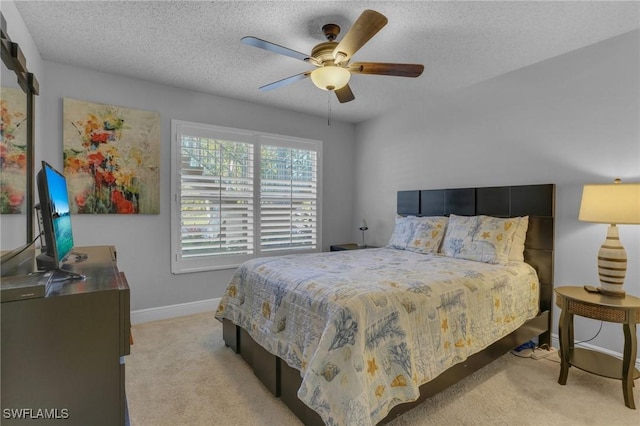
pixel 239 194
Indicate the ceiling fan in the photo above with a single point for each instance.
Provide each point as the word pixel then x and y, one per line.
pixel 332 58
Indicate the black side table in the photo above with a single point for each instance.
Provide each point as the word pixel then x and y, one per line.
pixel 349 246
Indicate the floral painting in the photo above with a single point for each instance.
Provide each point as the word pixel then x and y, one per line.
pixel 13 150
pixel 111 158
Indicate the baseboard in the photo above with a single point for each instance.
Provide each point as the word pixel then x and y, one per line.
pixel 555 342
pixel 174 311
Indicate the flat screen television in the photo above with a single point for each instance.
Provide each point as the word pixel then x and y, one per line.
pixel 55 218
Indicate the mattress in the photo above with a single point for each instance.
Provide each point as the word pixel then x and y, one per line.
pixel 366 328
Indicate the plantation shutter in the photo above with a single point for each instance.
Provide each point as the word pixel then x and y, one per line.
pixel 239 194
pixel 288 198
pixel 216 199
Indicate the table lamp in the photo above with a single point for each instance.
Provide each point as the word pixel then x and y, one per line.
pixel 615 204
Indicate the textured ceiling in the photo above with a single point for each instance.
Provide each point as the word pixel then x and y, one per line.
pixel 196 44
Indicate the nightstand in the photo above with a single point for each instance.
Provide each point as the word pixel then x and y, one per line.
pixel 577 301
pixel 349 246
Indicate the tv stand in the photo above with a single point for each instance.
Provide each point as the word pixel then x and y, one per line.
pixel 65 352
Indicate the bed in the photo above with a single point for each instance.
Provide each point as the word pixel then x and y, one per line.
pixel 358 337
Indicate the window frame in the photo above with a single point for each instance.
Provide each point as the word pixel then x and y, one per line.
pixel 181 265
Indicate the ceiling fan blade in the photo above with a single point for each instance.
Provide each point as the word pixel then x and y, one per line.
pixel 365 27
pixel 379 68
pixel 272 47
pixel 345 94
pixel 285 81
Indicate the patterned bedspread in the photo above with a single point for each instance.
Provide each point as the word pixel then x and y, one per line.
pixel 367 327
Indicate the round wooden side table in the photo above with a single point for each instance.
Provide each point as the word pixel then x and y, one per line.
pixel 626 311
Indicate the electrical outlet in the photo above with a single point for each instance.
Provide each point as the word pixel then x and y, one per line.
pixel 539 353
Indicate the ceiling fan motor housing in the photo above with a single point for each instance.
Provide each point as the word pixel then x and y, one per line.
pixel 323 53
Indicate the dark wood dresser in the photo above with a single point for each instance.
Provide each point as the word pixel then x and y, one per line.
pixel 63 354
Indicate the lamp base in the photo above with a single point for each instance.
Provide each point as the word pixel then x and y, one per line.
pixel 612 264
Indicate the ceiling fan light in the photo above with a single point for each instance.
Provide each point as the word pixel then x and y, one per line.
pixel 330 77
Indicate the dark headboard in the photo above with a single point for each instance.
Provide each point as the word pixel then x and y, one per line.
pixel 535 201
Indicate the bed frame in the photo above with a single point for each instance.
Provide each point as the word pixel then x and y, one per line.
pixel 535 201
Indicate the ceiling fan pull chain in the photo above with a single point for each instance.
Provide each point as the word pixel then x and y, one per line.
pixel 329 108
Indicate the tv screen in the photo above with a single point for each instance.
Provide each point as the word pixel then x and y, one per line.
pixel 55 217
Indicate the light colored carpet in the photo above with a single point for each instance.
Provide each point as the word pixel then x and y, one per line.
pixel 180 373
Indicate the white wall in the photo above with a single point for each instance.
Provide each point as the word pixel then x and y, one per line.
pixel 570 120
pixel 143 242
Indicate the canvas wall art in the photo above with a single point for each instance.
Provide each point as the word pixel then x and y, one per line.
pixel 111 158
pixel 13 150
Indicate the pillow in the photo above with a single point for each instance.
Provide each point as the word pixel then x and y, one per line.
pixel 427 234
pixel 517 245
pixel 402 232
pixel 481 238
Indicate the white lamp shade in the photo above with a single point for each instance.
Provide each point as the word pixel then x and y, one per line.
pixel 330 77
pixel 615 203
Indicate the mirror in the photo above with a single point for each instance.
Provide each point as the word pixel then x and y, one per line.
pixel 13 164
pixel 18 88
